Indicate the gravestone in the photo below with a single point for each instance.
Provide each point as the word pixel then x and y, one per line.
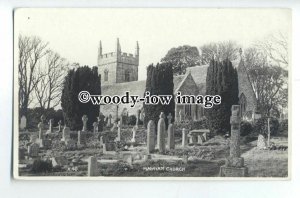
pixel 40 127
pixel 161 127
pixel 180 115
pixel 171 139
pixel 59 125
pixel 81 138
pixel 127 157
pixel 23 122
pixel 47 143
pixel 184 137
pixel 65 134
pixel 137 117
pixel 84 121
pixel 95 127
pixel 33 150
pixel 169 117
pixel 150 136
pixel 101 122
pixel 234 165
pixel 261 142
pixel 109 148
pixel 118 138
pixel 134 129
pixel 92 166
pixel 50 130
pixel 109 120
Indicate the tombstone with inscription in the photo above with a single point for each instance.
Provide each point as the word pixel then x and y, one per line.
pixel 150 136
pixel 161 131
pixel 261 142
pixel 234 166
pixel 23 122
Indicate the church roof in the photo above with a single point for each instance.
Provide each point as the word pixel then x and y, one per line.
pixel 199 73
pixel 134 87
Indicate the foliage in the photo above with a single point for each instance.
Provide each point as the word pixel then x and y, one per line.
pixel 261 126
pixel 40 166
pixel 34 116
pixel 159 82
pixel 219 51
pixel 200 124
pixel 81 79
pixel 132 120
pixel 246 128
pixel 284 127
pixel 31 50
pixel 269 82
pixel 181 58
pixel 221 80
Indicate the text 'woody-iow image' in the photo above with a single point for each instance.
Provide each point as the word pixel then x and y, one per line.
pixel 151 93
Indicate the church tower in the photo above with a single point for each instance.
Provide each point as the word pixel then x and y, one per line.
pixel 117 66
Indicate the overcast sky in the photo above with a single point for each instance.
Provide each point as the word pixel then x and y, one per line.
pixel 75 33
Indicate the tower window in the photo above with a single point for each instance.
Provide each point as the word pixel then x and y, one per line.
pixel 106 75
pixel 127 76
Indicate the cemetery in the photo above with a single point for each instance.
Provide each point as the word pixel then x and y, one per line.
pixel 170 149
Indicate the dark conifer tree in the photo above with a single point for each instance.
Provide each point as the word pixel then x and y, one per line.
pixel 159 82
pixel 83 79
pixel 221 80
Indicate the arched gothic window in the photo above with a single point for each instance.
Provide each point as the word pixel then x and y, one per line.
pixel 106 75
pixel 243 103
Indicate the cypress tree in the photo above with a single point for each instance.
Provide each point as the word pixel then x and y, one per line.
pixel 83 79
pixel 221 80
pixel 159 82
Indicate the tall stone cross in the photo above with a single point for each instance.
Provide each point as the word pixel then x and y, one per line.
pixel 84 121
pixel 234 165
pixel 169 117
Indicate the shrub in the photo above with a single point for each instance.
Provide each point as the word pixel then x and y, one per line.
pixel 246 128
pixel 283 127
pixel 261 126
pixel 132 120
pixel 200 124
pixel 40 166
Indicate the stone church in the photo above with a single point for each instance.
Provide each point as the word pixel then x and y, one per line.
pixel 119 73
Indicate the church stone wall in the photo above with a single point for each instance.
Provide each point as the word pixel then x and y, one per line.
pixel 246 88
